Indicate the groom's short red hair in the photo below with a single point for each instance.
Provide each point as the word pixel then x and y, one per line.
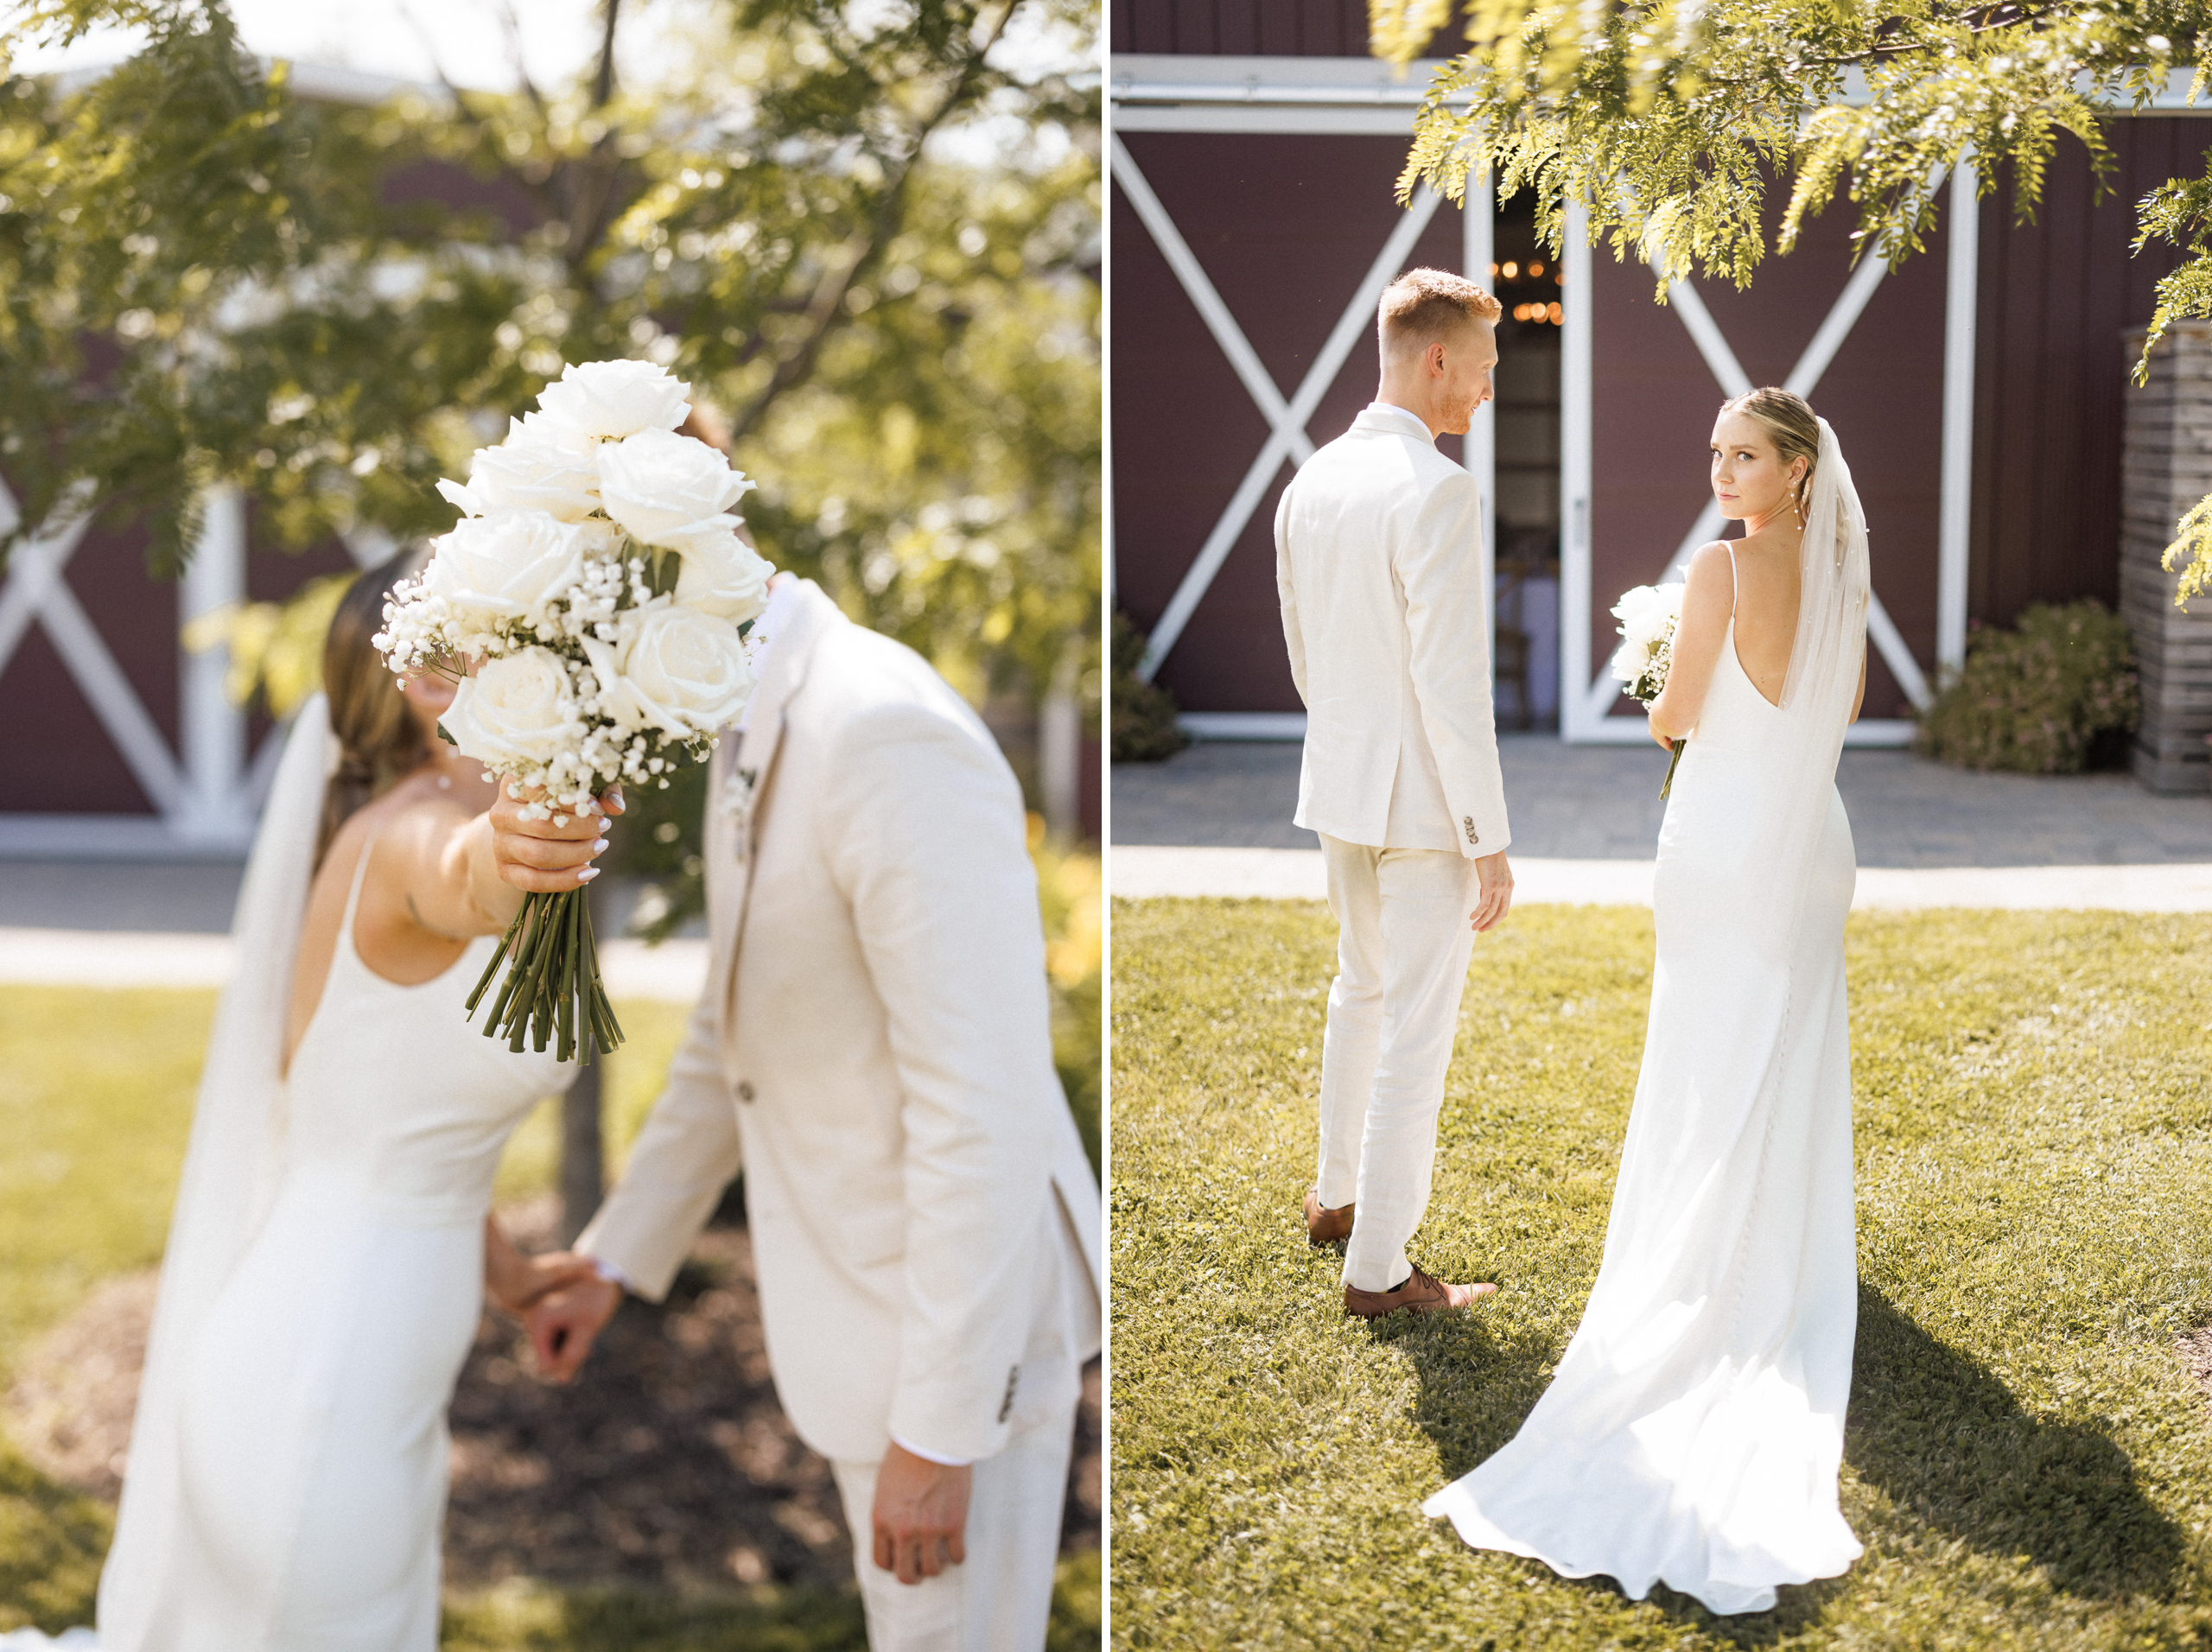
pixel 1425 306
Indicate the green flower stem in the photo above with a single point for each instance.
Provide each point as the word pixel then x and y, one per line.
pixel 564 1021
pixel 1677 746
pixel 552 994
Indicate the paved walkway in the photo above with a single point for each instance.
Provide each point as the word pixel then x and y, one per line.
pixel 1140 872
pixel 1586 820
pixel 1601 803
pixel 166 924
pixel 675 971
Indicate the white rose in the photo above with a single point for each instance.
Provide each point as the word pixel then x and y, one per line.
pixel 518 710
pixel 724 576
pixel 672 669
pixel 609 400
pixel 1630 661
pixel 1635 603
pixel 668 490
pixel 542 466
pixel 491 569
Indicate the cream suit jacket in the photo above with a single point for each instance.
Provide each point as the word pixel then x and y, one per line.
pixel 1378 562
pixel 875 1049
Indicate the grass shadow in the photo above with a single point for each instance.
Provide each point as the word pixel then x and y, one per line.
pixel 1475 1389
pixel 1943 1437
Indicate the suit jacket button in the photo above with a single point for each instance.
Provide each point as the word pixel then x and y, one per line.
pixel 745 1090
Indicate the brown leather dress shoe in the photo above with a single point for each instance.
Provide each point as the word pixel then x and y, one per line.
pixel 1322 1226
pixel 1420 1293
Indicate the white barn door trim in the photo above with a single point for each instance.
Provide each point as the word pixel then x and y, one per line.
pixel 1352 96
pixel 205 795
pixel 1584 716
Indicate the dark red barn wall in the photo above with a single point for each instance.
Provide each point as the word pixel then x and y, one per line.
pixel 1286 227
pixel 1252 28
pixel 2051 373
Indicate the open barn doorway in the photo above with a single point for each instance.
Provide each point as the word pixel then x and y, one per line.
pixel 1527 281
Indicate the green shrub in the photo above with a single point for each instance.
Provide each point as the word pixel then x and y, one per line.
pixel 1144 714
pixel 2033 700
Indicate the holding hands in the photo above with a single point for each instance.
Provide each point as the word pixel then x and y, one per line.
pixel 564 1323
pixel 514 1281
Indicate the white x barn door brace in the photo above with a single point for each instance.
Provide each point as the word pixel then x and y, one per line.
pixel 1287 420
pixel 1586 715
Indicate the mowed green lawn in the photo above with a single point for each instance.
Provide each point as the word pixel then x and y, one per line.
pixel 2028 1460
pixel 96 1092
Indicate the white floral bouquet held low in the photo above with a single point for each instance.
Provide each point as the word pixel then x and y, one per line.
pixel 1648 615
pixel 591 606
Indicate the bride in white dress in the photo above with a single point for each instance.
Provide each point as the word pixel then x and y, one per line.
pixel 331 1244
pixel 1692 1432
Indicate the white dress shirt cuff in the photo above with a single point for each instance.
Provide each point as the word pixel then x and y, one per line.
pixel 937 1457
pixel 613 1275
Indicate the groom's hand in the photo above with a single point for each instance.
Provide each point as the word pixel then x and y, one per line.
pixel 1495 892
pixel 920 1515
pixel 548 856
pixel 563 1324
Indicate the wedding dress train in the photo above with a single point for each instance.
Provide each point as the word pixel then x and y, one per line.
pixel 1693 1431
pixel 287 1479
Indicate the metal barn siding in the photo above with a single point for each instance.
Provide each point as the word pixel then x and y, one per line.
pixel 2052 374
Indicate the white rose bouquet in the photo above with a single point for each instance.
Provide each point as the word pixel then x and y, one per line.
pixel 591 606
pixel 1649 616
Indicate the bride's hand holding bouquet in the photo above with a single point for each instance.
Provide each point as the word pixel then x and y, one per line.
pixel 590 608
pixel 1650 617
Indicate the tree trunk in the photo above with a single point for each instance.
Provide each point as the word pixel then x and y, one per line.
pixel 583 1153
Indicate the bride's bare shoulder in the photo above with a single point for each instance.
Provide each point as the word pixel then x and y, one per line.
pixel 1710 580
pixel 401 818
pixel 1710 561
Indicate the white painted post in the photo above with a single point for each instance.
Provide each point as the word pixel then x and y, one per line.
pixel 212 809
pixel 1477 232
pixel 1577 721
pixel 1955 513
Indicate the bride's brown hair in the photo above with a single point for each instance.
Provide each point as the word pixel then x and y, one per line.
pixel 1787 418
pixel 378 744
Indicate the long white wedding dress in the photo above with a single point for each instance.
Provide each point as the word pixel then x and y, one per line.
pixel 1692 1432
pixel 287 1478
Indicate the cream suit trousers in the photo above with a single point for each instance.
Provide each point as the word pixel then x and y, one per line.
pixel 1403 938
pixel 1000 1599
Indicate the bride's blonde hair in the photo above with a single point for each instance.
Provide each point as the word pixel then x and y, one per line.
pixel 378 744
pixel 1789 422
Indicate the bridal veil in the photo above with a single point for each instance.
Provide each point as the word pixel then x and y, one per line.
pixel 1822 683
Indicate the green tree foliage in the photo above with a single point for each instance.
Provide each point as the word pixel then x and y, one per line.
pixel 1673 121
pixel 204 279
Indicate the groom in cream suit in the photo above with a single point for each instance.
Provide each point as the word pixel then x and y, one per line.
pixel 874 1049
pixel 1378 562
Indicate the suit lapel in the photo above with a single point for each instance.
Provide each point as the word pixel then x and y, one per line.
pixel 740 793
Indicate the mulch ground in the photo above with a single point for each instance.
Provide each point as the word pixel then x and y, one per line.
pixel 668 1463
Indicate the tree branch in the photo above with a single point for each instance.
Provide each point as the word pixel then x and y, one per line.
pixel 797 363
pixel 603 89
pixel 546 192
